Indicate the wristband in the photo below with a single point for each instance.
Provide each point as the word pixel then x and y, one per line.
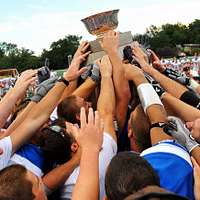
pixel 190 98
pixel 158 125
pixel 148 96
pixel 63 80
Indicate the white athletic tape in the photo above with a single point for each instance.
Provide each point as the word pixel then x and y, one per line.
pixel 148 95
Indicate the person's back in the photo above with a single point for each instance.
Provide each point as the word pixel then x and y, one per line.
pixel 172 163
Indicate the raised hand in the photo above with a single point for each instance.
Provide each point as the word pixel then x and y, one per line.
pixel 81 49
pixel 155 61
pixel 110 41
pixel 80 56
pixel 90 134
pixel 132 72
pixel 139 54
pixel 105 66
pixel 73 72
pixel 26 79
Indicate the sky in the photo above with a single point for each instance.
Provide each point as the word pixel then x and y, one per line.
pixel 35 24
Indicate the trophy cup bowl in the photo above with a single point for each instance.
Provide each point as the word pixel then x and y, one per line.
pixel 102 22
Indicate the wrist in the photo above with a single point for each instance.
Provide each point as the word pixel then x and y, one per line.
pixel 139 79
pixel 112 51
pixel 15 94
pixel 91 150
pixel 148 69
pixel 65 76
pixel 63 80
pixel 106 76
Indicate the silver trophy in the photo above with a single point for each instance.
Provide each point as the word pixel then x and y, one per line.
pixel 99 24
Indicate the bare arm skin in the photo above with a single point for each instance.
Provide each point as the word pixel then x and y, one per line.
pixel 106 101
pixel 7 104
pixel 110 44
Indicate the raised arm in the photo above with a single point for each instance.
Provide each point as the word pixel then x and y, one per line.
pixel 168 84
pixel 158 65
pixel 174 88
pixel 150 103
pixel 85 89
pixel 36 118
pixel 41 90
pixel 106 101
pixel 90 139
pixel 79 57
pixel 7 104
pixel 110 44
pixel 179 108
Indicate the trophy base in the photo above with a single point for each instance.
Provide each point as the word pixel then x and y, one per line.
pixel 125 39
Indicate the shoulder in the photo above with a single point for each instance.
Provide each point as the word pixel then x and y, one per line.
pixel 169 149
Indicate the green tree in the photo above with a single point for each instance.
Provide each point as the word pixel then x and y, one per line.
pixel 60 50
pixel 165 39
pixel 194 30
pixel 22 59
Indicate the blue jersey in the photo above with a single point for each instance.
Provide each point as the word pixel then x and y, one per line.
pixel 31 157
pixel 172 163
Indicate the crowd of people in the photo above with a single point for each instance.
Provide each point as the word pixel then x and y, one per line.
pixel 188 66
pixel 121 129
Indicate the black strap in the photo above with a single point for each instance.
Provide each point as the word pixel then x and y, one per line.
pixel 158 125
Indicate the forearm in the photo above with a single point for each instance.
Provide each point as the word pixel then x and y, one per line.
pixel 180 109
pixel 7 105
pixel 155 111
pixel 87 185
pixel 106 105
pixel 106 101
pixel 61 173
pixel 48 103
pixel 69 90
pixel 196 154
pixel 38 117
pixel 85 89
pixel 120 82
pixel 121 86
pixel 171 86
pixel 22 116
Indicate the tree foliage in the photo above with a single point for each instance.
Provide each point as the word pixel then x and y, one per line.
pixel 11 55
pixel 165 39
pixel 60 50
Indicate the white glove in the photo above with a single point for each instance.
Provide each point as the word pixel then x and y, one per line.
pixel 178 130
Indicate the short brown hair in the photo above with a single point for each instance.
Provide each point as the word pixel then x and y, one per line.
pixel 141 128
pixel 14 184
pixel 68 109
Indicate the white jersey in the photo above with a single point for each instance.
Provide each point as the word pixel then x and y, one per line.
pixel 6 146
pixel 109 150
